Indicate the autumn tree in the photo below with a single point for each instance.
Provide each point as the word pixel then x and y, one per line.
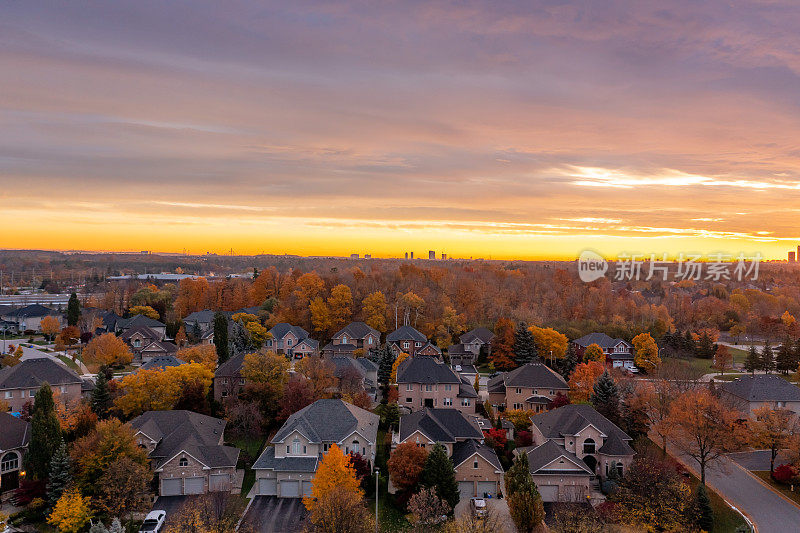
pixel 594 352
pixel 335 471
pixel 71 513
pixel 145 310
pixel 406 464
pixel 581 383
pixel 524 501
pixel 373 311
pixel 299 393
pixel 341 511
pixel 774 430
pixel 50 326
pixel 181 339
pixel 205 354
pixel 723 360
pixel 46 435
pixel 427 508
pixel 502 345
pixel 217 512
pixel 340 304
pixel 107 350
pixel 123 487
pixel 319 372
pixel 400 358
pixel 646 349
pixel 704 428
pixel 160 390
pixel 550 343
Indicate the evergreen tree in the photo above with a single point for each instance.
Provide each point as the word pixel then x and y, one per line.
pixel 567 364
pixel 221 337
pixel 45 434
pixel 524 346
pixel 705 347
pixel 703 510
pixel 784 361
pixel 73 310
pixel 385 362
pixel 605 397
pixel 101 397
pixel 98 528
pixel 753 361
pixel 689 346
pixel 60 474
pixel 524 501
pixel 767 358
pixel 438 472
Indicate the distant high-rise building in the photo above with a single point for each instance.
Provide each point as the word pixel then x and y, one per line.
pixel 412 255
pixel 406 255
pixel 791 257
pixel 431 254
pixel 444 256
pixel 367 256
pixel 353 256
pixel 797 256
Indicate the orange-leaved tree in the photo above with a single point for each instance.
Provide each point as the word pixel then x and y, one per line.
pixel 646 356
pixel 594 353
pixel 774 430
pixel 582 380
pixel 406 464
pixel 335 471
pixel 205 354
pixel 550 343
pixel 373 311
pixel 400 358
pixel 107 349
pixel 50 326
pixel 502 353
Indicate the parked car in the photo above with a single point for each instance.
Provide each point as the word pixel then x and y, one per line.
pixel 478 506
pixel 153 522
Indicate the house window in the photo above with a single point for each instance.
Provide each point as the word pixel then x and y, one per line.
pixel 619 469
pixel 417 344
pixel 475 463
pixel 9 394
pixel 518 390
pixel 287 449
pixel 183 462
pixel 288 342
pixel 326 447
pixel 588 446
pixel 63 389
pixel 552 393
pixel 428 388
pixel 448 387
pixel 269 342
pixel 31 393
pixel 137 343
pixel 465 402
pixel 409 386
pixel 448 402
pixel 370 341
pixel 408 400
pixel 535 391
pixel 224 394
pixel 406 344
pixel 344 339
pixel 517 406
pixel 296 446
pixel 10 462
pixel 781 404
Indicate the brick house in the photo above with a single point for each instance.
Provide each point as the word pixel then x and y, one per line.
pixel 187 453
pixel 287 468
pixel 286 337
pixel 469 346
pixel 427 382
pixel 29 318
pixel 147 343
pixel 749 393
pixel 571 445
pixel 19 383
pixel 619 353
pixel 478 469
pixel 14 440
pixel 228 380
pixel 352 337
pixel 406 339
pixel 124 324
pixel 531 387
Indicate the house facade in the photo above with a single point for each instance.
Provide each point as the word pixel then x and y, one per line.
pixel 147 343
pixel 470 345
pixel 228 380
pixel 406 339
pixel 19 383
pixel 287 468
pixel 425 382
pixel 749 393
pixel 187 453
pixel 619 353
pixel 28 319
pixel 530 387
pixel 286 337
pixel 14 439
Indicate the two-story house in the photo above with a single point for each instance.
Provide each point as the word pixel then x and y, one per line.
pixel 352 337
pixel 200 324
pixel 14 439
pixel 530 387
pixel 285 338
pixel 147 343
pixel 29 318
pixel 469 346
pixel 427 382
pixel 287 468
pixel 19 383
pixel 228 379
pixel 749 393
pixel 406 339
pixel 571 445
pixel 478 469
pixel 187 453
pixel 619 352
pixel 136 321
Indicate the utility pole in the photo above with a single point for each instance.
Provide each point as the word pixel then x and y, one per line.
pixel 377 478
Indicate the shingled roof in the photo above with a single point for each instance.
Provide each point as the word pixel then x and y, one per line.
pixel 465 449
pixel 160 362
pixel 31 373
pixel 330 420
pixel 600 339
pixel 357 330
pixel 32 310
pixel 424 369
pixel 440 425
pixel 405 333
pixel 281 329
pixel 762 388
pixel 188 432
pixel 16 433
pixel 139 320
pixel 571 419
pixel 543 455
pixel 268 461
pixel 482 334
pixel 232 368
pixel 535 375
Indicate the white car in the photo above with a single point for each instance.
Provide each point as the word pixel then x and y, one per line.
pixel 153 522
pixel 478 507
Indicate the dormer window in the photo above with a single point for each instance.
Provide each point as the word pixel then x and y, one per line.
pixel 406 344
pixel 344 339
pixel 370 341
pixel 288 342
pixel 296 446
pixel 588 446
pixel 137 343
pixel 183 461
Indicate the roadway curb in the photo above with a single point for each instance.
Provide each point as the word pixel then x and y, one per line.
pixel 767 485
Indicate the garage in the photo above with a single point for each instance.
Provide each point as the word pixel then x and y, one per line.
pixel 290 489
pixel 219 482
pixel 194 485
pixel 487 487
pixel 307 488
pixel 466 489
pixel 268 487
pixel 171 487
pixel 549 493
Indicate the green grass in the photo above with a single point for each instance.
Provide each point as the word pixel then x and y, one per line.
pixel 778 487
pixel 68 361
pixel 390 518
pixel 251 449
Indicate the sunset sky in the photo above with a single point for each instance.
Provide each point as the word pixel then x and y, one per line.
pixel 486 129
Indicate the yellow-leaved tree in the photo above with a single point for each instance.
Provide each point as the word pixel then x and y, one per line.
pixel 160 390
pixel 71 513
pixel 107 349
pixel 594 353
pixel 373 310
pixel 550 343
pixel 335 472
pixel 205 354
pixel 145 310
pixel 50 326
pixel 646 356
pixel 400 358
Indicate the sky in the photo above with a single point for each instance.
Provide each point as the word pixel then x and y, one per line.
pixel 530 130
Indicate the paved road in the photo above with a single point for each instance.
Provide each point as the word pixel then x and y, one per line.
pixel 270 514
pixel 770 512
pixel 759 459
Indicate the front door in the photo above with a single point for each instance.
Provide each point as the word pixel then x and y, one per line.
pixel 429 402
pixel 9 481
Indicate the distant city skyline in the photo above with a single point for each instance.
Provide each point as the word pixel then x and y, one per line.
pixel 517 131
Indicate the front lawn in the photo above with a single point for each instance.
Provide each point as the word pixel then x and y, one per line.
pixel 70 363
pixel 250 450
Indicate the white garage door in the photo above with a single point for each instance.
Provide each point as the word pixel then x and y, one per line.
pixel 290 489
pixel 219 482
pixel 549 493
pixel 171 487
pixel 487 487
pixel 268 487
pixel 194 485
pixel 467 489
pixel 307 488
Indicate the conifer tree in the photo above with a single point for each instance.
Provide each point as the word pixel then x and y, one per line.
pixel 703 510
pixel 101 397
pixel 524 346
pixel 60 474
pixel 221 337
pixel 705 347
pixel 45 434
pixel 73 310
pixel 767 358
pixel 239 340
pixel 385 362
pixel 784 361
pixel 753 361
pixel 567 364
pixel 116 526
pixel 605 397
pixel 440 473
pixel 689 346
pixel 524 501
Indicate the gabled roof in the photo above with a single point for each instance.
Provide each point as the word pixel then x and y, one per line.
pixel 571 419
pixel 139 320
pixel 357 330
pixel 601 339
pixel 308 341
pixel 482 334
pixel 762 388
pixel 535 375
pixel 32 310
pixel 424 369
pixel 186 432
pixel 281 329
pixel 161 347
pixel 369 366
pixel 31 373
pixel 463 450
pixel 205 316
pixel 343 363
pixel 458 349
pixel 548 452
pixel 614 445
pixel 330 421
pixel 160 362
pixel 330 347
pixel 430 345
pixel 143 331
pixel 466 389
pixel 231 368
pixel 440 425
pixel 16 432
pixel 405 333
pixel 268 461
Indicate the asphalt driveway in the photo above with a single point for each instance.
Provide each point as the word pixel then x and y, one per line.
pixel 270 514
